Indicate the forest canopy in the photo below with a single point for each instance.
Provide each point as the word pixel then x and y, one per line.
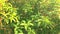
pixel 31 16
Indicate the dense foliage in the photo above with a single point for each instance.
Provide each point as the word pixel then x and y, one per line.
pixel 32 16
pixel 8 14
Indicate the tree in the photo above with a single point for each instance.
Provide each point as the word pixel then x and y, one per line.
pixel 35 16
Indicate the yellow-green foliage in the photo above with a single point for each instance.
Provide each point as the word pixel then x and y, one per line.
pixel 7 12
pixel 34 16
